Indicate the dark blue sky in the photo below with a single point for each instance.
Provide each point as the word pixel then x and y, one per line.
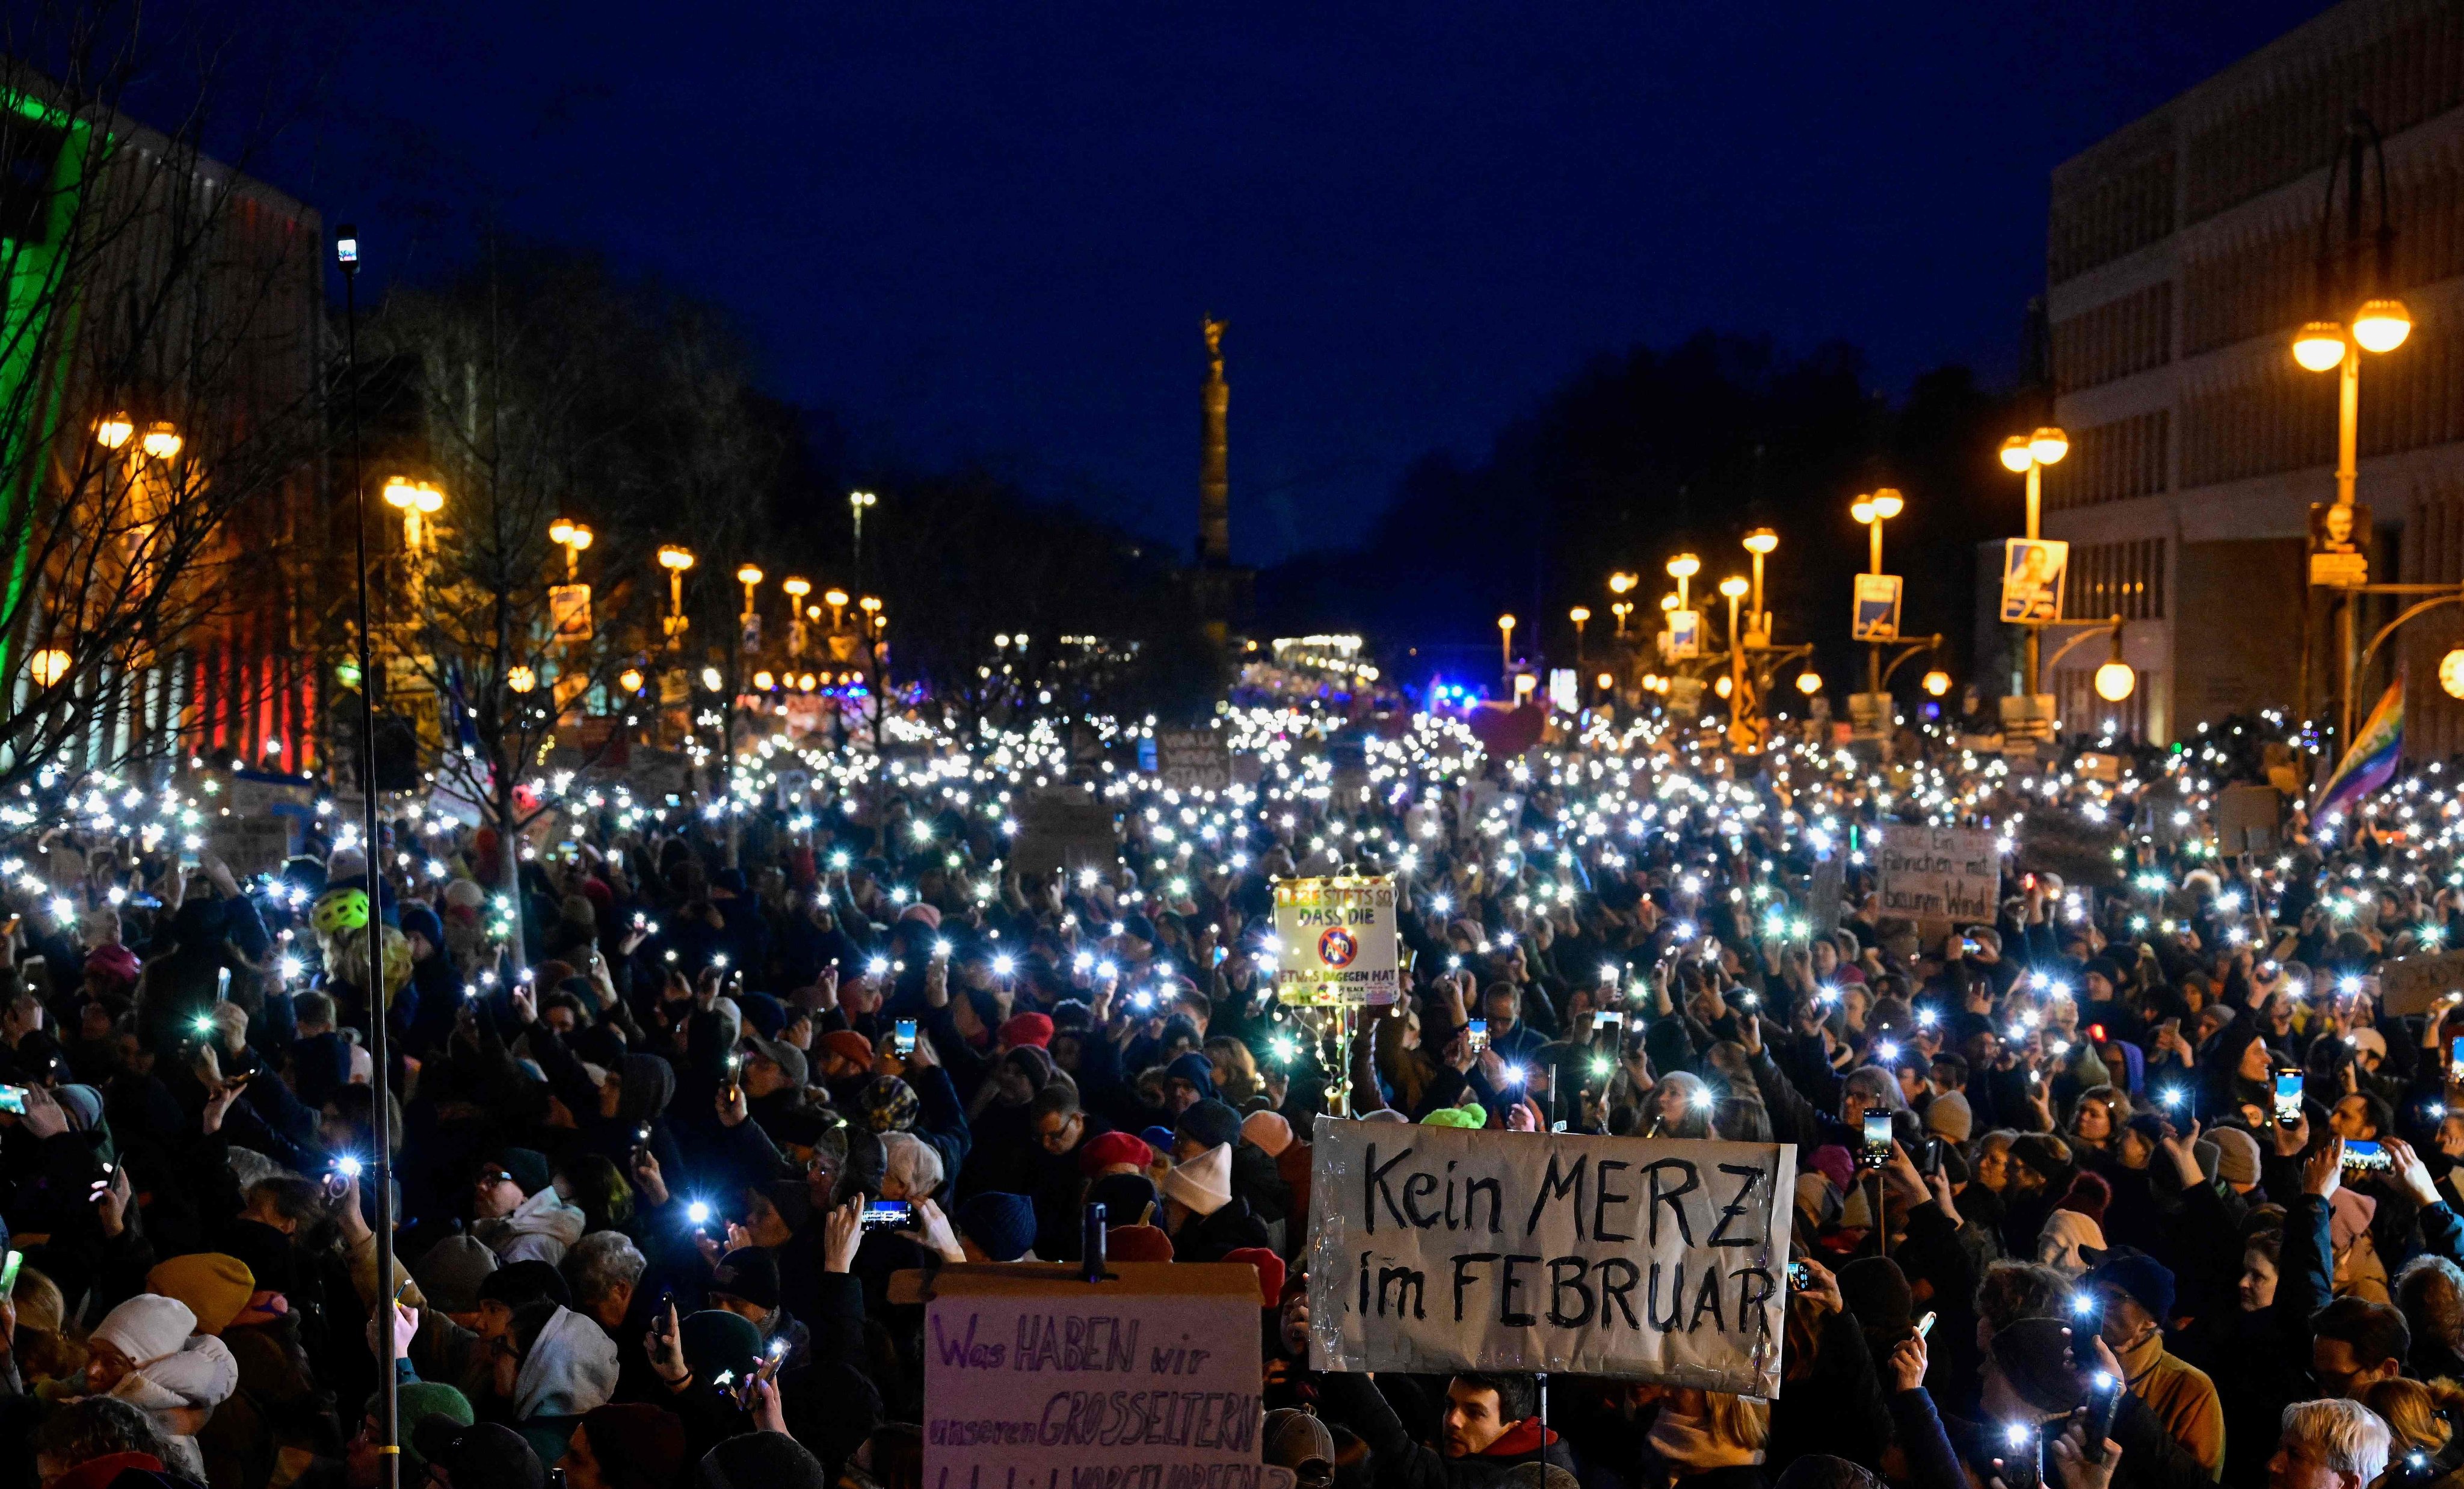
pixel 989 230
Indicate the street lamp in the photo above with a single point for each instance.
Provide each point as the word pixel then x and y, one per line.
pixel 836 599
pixel 1733 589
pixel 48 666
pixel 520 678
pixel 675 560
pixel 1621 609
pixel 1578 615
pixel 1760 542
pixel 161 442
pixel 416 500
pixel 1937 682
pixel 858 502
pixel 630 679
pixel 750 576
pixel 1685 566
pixel 1809 683
pixel 796 589
pixel 1874 510
pixel 2028 454
pixel 113 430
pixel 1506 647
pixel 2450 673
pixel 573 536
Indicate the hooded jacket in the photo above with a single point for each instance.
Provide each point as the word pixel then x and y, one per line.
pixel 570 1369
pixel 539 1229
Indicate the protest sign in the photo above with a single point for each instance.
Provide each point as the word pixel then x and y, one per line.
pixel 2411 984
pixel 1036 1379
pixel 1194 759
pixel 1444 1249
pixel 1339 943
pixel 2246 815
pixel 1939 873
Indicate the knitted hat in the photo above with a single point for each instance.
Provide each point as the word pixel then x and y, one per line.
pixel 930 916
pixel 481 1456
pixel 764 1013
pixel 2349 1216
pixel 418 919
pixel 450 1275
pixel 214 1286
pixel 2142 1279
pixel 849 1046
pixel 1204 1183
pixel 1138 925
pixel 529 1167
pixel 889 1105
pixel 750 1273
pixel 1268 1131
pixel 147 1327
pixel 757 1461
pixel 637 1445
pixel 1833 1163
pixel 1209 1123
pixel 2038 1152
pixel 1126 1197
pixel 1947 1116
pixel 2236 1155
pixel 415 1402
pixel 1023 1029
pixel 715 1340
pixel 1114 1149
pixel 1137 1243
pixel 1270 1271
pixel 1002 1226
pixel 1877 1292
pixel 2104 967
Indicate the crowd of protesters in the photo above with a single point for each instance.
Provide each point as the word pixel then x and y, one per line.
pixel 2166 1197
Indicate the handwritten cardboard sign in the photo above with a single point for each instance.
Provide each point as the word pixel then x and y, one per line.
pixel 2411 984
pixel 1036 1379
pixel 1440 1249
pixel 1939 873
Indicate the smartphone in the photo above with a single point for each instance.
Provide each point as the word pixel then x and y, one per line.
pixel 1608 1018
pixel 13 1099
pixel 8 1275
pixel 1801 1277
pixel 1924 1326
pixel 1928 1156
pixel 903 1041
pixel 2087 1318
pixel 1876 1151
pixel 2288 1097
pixel 2103 1400
pixel 2455 1060
pixel 1476 1030
pixel 2021 1457
pixel 883 1215
pixel 2358 1154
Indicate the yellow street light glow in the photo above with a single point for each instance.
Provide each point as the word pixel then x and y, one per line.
pixel 835 597
pixel 1620 583
pixel 1505 622
pixel 113 430
pixel 1668 601
pixel 2450 673
pixel 671 556
pixel 862 500
pixel 1580 614
pixel 402 491
pixel 1861 510
pixel 2016 456
pixel 49 666
pixel 560 530
pixel 1685 566
pixel 805 682
pixel 798 588
pixel 1887 503
pixel 522 679
pixel 1937 682
pixel 2381 325
pixel 748 575
pixel 162 441
pixel 629 679
pixel 2116 681
pixel 1723 687
pixel 1761 541
pixel 1606 680
pixel 763 681
pixel 711 679
pixel 868 604
pixel 1809 683
pixel 2320 346
pixel 2049 446
pixel 1734 588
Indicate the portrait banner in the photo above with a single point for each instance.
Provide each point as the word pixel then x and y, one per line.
pixel 2032 580
pixel 1875 613
pixel 1445 1249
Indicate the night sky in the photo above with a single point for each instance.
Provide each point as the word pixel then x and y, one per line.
pixel 987 233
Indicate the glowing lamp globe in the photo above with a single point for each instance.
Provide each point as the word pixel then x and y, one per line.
pixel 1937 682
pixel 2381 325
pixel 2451 672
pixel 1809 683
pixel 2017 457
pixel 2049 446
pixel 2116 681
pixel 1887 503
pixel 1723 687
pixel 522 679
pixel 629 679
pixel 2320 346
pixel 1684 566
pixel 1761 541
pixel 49 666
pixel 1734 587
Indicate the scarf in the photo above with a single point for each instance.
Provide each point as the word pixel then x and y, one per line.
pixel 1521 1440
pixel 1683 1440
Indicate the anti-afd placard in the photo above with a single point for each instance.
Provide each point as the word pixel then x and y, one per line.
pixel 1339 942
pixel 1037 1379
pixel 1939 873
pixel 1441 1249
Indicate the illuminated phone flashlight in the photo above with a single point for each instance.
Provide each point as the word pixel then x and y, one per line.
pixel 1514 1075
pixel 879 965
pixel 1887 1050
pixel 718 959
pixel 2082 1304
pixel 205 1024
pixel 1003 965
pixel 347 1166
pixel 1084 961
pixel 1927 1017
pixel 1702 1100
pixel 1106 969
pixel 290 967
pixel 697 1212
pixel 1826 993
pixel 2170 1096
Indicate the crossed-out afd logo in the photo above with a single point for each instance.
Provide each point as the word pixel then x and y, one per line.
pixel 1338 947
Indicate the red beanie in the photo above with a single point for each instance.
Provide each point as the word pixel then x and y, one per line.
pixel 1114 1148
pixel 1023 1029
pixel 1137 1243
pixel 1270 1272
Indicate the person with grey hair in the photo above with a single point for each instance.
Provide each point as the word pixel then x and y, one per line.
pixel 603 1268
pixel 95 1428
pixel 2336 1444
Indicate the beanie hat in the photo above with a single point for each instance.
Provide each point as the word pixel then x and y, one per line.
pixel 759 1460
pixel 1025 1029
pixel 2088 1194
pixel 638 1446
pixel 518 1282
pixel 2368 1039
pixel 750 1273
pixel 1209 1123
pixel 1159 1139
pixel 415 1402
pixel 849 1046
pixel 715 1340
pixel 889 1105
pixel 481 1456
pixel 147 1327
pixel 1126 1197
pixel 1203 1184
pixel 2349 1216
pixel 792 1198
pixel 2142 1279
pixel 764 1013
pixel 1138 925
pixel 2104 967
pixel 1137 1243
pixel 1948 1115
pixel 214 1286
pixel 2039 1153
pixel 2150 1127
pixel 2236 1155
pixel 929 914
pixel 419 920
pixel 1001 1225
pixel 1113 1149
pixel 1195 1069
pixel 1268 1131
pixel 450 1275
pixel 1877 1292
pixel 1270 1272
pixel 529 1167
pixel 2034 1355
pixel 1833 1163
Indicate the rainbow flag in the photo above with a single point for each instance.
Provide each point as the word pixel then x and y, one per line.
pixel 2371 762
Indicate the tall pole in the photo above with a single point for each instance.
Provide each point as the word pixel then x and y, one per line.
pixel 2348 425
pixel 2036 499
pixel 1874 649
pixel 389 1423
pixel 1736 678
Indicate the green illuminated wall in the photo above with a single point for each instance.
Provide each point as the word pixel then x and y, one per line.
pixel 32 292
